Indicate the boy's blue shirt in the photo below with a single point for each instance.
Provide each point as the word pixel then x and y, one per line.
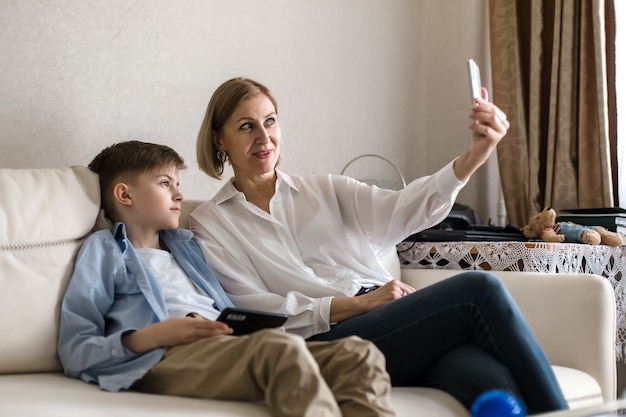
pixel 112 293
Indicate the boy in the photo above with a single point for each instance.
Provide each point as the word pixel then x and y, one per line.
pixel 139 312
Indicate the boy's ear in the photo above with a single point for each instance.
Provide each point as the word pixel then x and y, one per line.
pixel 121 194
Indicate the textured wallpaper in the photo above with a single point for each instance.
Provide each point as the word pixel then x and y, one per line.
pixel 351 77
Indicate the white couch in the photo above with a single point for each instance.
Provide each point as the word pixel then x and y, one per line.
pixel 46 214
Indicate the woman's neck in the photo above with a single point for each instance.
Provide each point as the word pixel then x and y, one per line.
pixel 258 191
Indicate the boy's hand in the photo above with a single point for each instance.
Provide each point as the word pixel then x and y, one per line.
pixel 173 332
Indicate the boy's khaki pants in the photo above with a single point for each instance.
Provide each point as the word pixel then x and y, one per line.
pixel 346 377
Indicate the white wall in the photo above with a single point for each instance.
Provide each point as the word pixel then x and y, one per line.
pixel 351 77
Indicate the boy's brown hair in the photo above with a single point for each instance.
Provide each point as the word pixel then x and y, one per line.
pixel 124 161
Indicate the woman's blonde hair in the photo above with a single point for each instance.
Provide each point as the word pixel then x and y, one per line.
pixel 221 106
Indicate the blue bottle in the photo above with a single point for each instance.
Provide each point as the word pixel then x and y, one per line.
pixel 497 403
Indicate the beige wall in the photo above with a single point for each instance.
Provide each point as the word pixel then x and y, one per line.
pixel 351 77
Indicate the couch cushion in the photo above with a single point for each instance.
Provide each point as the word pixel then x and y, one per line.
pixel 52 394
pixel 49 394
pixel 45 215
pixel 579 388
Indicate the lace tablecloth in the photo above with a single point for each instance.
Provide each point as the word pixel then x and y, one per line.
pixel 610 262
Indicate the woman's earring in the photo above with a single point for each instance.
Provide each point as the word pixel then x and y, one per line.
pixel 221 156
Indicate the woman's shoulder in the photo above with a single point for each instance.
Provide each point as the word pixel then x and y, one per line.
pixel 203 209
pixel 313 179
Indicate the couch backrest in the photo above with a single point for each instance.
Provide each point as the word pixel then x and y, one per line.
pixel 187 208
pixel 45 215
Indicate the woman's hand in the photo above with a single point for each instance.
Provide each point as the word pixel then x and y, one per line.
pixel 344 308
pixel 489 125
pixel 173 332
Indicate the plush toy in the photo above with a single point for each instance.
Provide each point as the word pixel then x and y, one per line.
pixel 543 226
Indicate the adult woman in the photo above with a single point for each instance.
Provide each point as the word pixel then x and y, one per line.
pixel 307 245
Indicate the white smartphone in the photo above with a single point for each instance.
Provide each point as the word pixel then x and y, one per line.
pixel 474 79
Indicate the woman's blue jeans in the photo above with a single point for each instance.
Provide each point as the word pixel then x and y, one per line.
pixel 463 335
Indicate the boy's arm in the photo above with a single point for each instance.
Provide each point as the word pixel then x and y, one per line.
pixel 93 295
pixel 173 332
pixel 90 296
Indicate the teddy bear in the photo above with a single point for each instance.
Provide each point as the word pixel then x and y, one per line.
pixel 543 226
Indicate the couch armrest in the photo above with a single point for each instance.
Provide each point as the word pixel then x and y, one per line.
pixel 572 315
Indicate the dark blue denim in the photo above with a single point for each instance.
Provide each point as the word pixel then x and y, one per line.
pixel 463 335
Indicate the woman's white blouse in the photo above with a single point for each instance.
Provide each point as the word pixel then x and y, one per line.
pixel 321 240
